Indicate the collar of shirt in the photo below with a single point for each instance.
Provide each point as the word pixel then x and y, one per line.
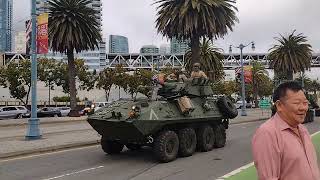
pixel 284 125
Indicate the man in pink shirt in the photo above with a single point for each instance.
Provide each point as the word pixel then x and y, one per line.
pixel 282 147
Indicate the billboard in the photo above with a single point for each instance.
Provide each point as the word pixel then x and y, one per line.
pixel 247 73
pixel 42 34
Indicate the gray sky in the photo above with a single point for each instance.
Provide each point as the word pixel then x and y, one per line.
pixel 260 21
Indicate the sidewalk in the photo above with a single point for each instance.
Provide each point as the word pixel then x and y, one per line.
pixel 67 132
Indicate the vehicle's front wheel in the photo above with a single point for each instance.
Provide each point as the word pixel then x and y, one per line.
pixel 166 146
pixel 205 138
pixel 111 147
pixel 19 116
pixel 188 141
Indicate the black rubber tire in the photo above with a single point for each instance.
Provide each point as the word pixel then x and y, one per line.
pixel 19 116
pixel 220 136
pixel 227 107
pixel 166 146
pixel 205 138
pixel 111 147
pixel 133 147
pixel 187 142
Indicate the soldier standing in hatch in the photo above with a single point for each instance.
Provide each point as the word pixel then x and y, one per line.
pixel 196 72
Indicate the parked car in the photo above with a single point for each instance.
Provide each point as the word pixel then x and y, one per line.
pixel 48 112
pixel 98 105
pixel 64 110
pixel 239 104
pixel 13 112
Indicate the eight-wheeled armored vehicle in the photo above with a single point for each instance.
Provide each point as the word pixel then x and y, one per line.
pixel 179 118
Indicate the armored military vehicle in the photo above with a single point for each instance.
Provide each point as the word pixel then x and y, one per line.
pixel 179 118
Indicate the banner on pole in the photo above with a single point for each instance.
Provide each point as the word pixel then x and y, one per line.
pixel 247 72
pixel 28 36
pixel 42 34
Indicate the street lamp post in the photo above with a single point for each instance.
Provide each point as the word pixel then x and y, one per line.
pixel 33 131
pixel 50 74
pixel 243 92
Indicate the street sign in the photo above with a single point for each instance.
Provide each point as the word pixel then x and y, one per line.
pixel 264 104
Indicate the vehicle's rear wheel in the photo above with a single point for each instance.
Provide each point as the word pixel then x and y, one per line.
pixel 220 136
pixel 133 147
pixel 166 146
pixel 55 115
pixel 187 142
pixel 205 138
pixel 111 147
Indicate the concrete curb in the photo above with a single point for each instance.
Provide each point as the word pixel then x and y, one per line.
pixel 47 149
pixel 248 121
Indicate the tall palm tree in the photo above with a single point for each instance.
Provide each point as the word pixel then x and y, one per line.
pixel 193 19
pixel 291 55
pixel 73 27
pixel 258 77
pixel 211 60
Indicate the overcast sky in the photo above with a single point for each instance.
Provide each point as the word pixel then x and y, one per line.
pixel 260 21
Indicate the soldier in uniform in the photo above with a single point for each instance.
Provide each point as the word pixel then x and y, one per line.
pixel 197 73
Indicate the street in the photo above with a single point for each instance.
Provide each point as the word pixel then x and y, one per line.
pixel 92 163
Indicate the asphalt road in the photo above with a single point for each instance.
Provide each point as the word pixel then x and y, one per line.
pixel 92 163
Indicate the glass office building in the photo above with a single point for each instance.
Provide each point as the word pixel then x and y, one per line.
pixel 5 25
pixel 118 44
pixel 179 46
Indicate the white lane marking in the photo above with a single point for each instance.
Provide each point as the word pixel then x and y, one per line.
pixel 246 166
pixel 76 172
pixel 152 113
pixel 47 153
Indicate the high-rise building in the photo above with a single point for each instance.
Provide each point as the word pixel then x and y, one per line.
pixel 164 49
pixel 95 59
pixel 149 49
pixel 5 25
pixel 20 42
pixel 179 46
pixel 118 44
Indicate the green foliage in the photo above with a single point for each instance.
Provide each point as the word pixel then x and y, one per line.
pixel 291 55
pixel 225 87
pixel 105 81
pixel 193 19
pixel 211 60
pixel 16 77
pixel 259 80
pixel 140 81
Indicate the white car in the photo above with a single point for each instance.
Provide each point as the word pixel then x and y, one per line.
pixel 98 105
pixel 64 111
pixel 239 104
pixel 13 112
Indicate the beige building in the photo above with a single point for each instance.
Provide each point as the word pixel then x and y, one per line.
pixel 20 42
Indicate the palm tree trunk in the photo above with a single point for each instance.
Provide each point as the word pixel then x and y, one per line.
pixel 195 49
pixel 289 75
pixel 72 84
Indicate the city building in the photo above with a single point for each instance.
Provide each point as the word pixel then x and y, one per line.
pixel 5 25
pixel 118 44
pixel 164 49
pixel 149 49
pixel 20 42
pixel 179 46
pixel 95 59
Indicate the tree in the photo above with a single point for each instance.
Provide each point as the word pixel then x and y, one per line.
pixel 193 19
pixel 258 75
pixel 16 77
pixel 105 81
pixel 73 27
pixel 211 60
pixel 291 55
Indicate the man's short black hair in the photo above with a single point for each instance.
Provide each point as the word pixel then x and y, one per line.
pixel 281 90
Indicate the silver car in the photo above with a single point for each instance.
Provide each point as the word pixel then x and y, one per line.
pixel 13 112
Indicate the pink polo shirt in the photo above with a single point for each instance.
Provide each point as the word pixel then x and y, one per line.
pixel 279 154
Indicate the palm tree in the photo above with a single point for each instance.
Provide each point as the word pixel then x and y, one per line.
pixel 291 55
pixel 258 77
pixel 73 27
pixel 211 60
pixel 193 19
